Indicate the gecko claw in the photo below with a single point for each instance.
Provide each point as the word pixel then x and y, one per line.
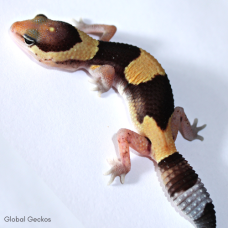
pixel 108 172
pixel 99 87
pixel 75 22
pixel 196 129
pixel 122 178
pixel 201 138
pixel 92 81
pixel 195 122
pixel 79 24
pixel 118 169
pixel 202 127
pixel 111 179
pixel 94 89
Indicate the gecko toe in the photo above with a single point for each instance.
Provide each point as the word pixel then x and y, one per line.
pixel 122 178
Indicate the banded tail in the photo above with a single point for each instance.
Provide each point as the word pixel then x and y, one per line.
pixel 187 191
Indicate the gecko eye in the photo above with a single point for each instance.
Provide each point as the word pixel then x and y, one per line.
pixel 28 40
pixel 41 15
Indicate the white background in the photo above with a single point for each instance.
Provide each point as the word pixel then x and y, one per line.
pixel 56 134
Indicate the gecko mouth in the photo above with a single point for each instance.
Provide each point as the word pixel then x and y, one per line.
pixel 20 42
pixel 17 38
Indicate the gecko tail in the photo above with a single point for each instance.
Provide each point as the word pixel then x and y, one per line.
pixel 186 191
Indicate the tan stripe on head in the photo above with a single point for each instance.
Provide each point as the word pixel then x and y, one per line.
pixel 84 50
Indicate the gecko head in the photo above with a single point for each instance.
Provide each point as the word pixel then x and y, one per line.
pixel 43 39
pixel 28 33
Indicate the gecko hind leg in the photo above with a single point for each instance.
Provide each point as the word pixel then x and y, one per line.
pixel 105 32
pixel 121 166
pixel 180 122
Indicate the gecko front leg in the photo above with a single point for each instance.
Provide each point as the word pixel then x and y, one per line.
pixel 105 32
pixel 102 77
pixel 121 166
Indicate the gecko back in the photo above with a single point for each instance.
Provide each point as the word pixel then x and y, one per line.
pixel 144 84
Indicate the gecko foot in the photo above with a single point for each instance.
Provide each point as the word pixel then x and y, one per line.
pixel 79 24
pixel 196 129
pixel 118 169
pixel 100 88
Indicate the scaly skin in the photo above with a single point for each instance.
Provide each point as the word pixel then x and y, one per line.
pixel 143 83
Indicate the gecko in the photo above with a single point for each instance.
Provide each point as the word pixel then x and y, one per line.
pixel 143 83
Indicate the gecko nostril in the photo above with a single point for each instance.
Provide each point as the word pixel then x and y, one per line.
pixel 12 28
